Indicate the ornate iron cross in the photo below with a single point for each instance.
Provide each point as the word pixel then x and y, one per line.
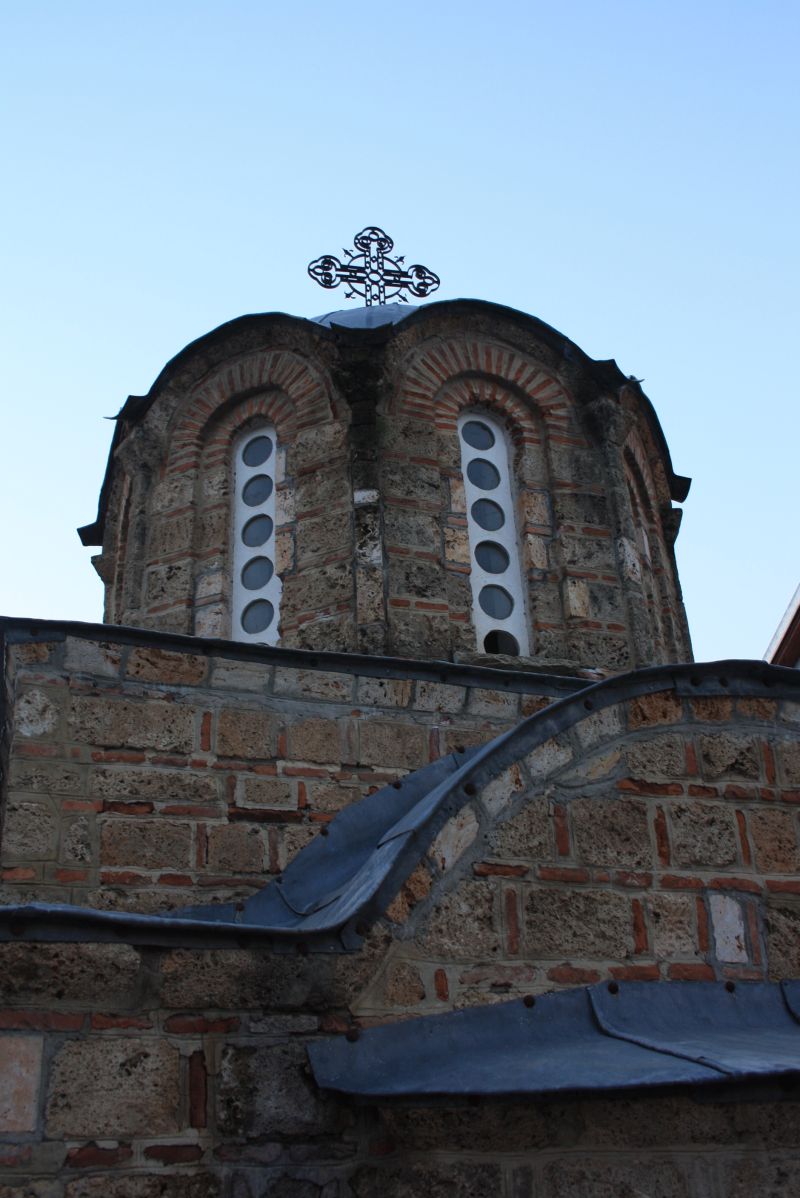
pixel 371 273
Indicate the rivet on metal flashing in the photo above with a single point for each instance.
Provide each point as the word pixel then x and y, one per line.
pixel 613 987
pixel 324 830
pixel 730 987
pixel 529 1000
pixel 362 928
pixel 724 682
pixel 459 749
pixel 469 788
pixel 352 1034
pixel 16 927
pixel 240 905
pixel 694 680
pixel 302 948
pixel 397 784
pixel 588 704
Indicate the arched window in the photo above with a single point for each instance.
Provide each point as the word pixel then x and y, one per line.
pixel 498 601
pixel 256 591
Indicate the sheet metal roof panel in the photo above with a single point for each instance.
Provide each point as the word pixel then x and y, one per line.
pixel 698 1032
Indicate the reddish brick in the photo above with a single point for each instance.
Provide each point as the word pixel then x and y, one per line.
pixel 199 1025
pixel 641 786
pixel 702 925
pixel 662 837
pixel 101 1022
pixel 639 881
pixel 487 869
pixel 572 975
pixel 18 873
pixel 751 911
pixel 90 1154
pixel 783 886
pixel 129 808
pixel 639 928
pixel 44 1021
pixel 441 985
pixel 556 873
pixel 198 1089
pixel 735 884
pixel 680 882
pixel 769 762
pixel 174 1154
pixel 741 821
pixel 205 732
pixel 71 875
pixel 702 792
pixel 683 971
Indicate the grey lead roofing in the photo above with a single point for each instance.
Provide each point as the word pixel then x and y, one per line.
pixel 612 1036
pixel 343 881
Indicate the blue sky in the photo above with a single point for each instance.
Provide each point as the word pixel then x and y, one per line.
pixel 627 171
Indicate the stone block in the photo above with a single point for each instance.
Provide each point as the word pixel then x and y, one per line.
pixel 788 754
pixel 494 704
pixel 403 985
pixel 728 755
pixel 318 588
pixel 502 790
pixel 417 577
pixel 20 1068
pixel 314 684
pixel 384 692
pixel 599 727
pixel 237 849
pixel 410 480
pixel 142 1185
pixel 232 978
pixel 240 675
pixel 611 832
pixel 266 792
pixel 242 732
pixel 527 836
pixel 391 744
pixel 567 922
pixel 114 1086
pixel 536 508
pixel 768 1177
pixel 471 1179
pixel 98 658
pixel 36 713
pixel 703 835
pixel 463 925
pixel 33 973
pixel 782 925
pixel 412 529
pixel 294 839
pixel 150 664
pixel 172 583
pixel 323 489
pixel 549 757
pixel 727 924
pixel 30 829
pixel 439 696
pixel 599 1177
pixel 454 839
pixel 118 723
pixel 315 739
pixel 456 545
pixel 774 836
pixel 661 756
pixel 673 921
pixel 52 778
pixel 663 707
pixel 323 536
pixel 146 843
pixel 154 785
pixel 266 1091
pixel 76 840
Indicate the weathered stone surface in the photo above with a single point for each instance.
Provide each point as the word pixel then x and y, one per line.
pixel 774 836
pixel 153 784
pixel 434 1180
pixel 20 1066
pixel 114 1086
pixel 266 792
pixel 315 739
pixel 150 664
pixel 703 834
pixel 454 839
pixel 237 848
pixel 673 921
pixel 502 790
pixel 266 1091
pixel 31 972
pixel 728 755
pixel 782 925
pixel 403 986
pixel 527 836
pixel 788 754
pixel 146 843
pixel 98 658
pixel 462 925
pixel 396 745
pixel 35 714
pixel 611 832
pixel 144 1185
pixel 567 922
pixel 113 723
pixel 597 1177
pixel 242 732
pixel 659 756
pixel 727 924
pixel 768 1178
pixel 240 978
pixel 439 696
pixel 31 829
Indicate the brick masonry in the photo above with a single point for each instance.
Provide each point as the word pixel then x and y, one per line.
pixel 655 838
pixel 371 524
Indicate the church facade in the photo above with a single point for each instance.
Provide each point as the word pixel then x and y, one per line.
pixel 385 838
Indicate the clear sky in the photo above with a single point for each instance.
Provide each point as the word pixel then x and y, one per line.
pixel 626 170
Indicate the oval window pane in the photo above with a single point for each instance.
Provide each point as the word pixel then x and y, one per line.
pixel 257 490
pixel 483 474
pixel 477 434
pixel 496 602
pixel 499 641
pixel 257 615
pixel 491 557
pixel 257 531
pixel 488 514
pixel 257 573
pixel 257 451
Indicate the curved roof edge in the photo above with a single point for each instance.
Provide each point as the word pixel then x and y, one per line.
pixel 341 883
pixel 606 372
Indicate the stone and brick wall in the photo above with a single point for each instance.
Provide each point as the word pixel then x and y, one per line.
pixel 371 540
pixel 653 837
pixel 145 777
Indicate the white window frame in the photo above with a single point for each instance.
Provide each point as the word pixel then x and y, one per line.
pixel 511 578
pixel 241 596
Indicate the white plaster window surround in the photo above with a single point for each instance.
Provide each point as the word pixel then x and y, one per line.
pixel 498 598
pixel 256 589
